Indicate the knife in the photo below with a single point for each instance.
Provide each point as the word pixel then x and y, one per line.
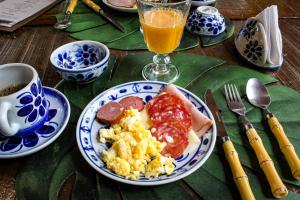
pixel 239 175
pixel 97 8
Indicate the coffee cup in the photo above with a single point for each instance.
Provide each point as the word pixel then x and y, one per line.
pixel 23 105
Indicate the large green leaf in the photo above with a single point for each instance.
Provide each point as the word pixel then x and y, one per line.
pixel 135 41
pixel 212 40
pixel 108 33
pixel 164 192
pixel 83 21
pixel 281 97
pixel 34 177
pixel 190 65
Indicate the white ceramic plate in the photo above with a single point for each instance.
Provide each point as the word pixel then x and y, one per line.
pixel 121 9
pixel 58 117
pixel 88 128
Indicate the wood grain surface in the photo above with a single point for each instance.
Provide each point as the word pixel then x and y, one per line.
pixel 33 45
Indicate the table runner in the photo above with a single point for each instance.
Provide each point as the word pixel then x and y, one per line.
pixel 43 174
pixel 87 25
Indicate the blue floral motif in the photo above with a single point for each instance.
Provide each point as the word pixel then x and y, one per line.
pixel 30 140
pixel 65 60
pixel 213 25
pixel 249 30
pixel 198 23
pixel 33 103
pixel 253 50
pixel 86 55
pixel 82 56
pixel 194 23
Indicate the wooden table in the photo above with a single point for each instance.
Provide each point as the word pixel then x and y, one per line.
pixel 33 45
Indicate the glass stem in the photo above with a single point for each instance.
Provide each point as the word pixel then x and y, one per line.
pixel 161 61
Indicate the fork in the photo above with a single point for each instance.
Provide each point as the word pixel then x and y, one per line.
pixel 236 105
pixel 65 22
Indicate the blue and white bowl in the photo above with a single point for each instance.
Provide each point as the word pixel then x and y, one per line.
pixel 206 20
pixel 81 61
pixel 88 128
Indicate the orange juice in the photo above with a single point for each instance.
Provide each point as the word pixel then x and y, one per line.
pixel 162 30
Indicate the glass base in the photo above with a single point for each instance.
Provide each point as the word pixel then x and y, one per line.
pixel 170 75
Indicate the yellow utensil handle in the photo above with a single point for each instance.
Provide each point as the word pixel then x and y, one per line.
pixel 239 175
pixel 71 6
pixel 277 187
pixel 286 147
pixel 92 5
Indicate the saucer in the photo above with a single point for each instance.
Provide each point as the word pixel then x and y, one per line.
pixel 58 117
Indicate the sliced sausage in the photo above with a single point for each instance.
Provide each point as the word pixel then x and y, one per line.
pixel 132 102
pixel 200 123
pixel 110 113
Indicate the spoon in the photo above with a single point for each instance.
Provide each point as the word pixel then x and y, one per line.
pixel 258 96
pixel 65 22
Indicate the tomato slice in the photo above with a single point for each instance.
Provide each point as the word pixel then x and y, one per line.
pixel 170 122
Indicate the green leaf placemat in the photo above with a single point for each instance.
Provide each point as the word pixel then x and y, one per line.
pixel 43 174
pixel 190 66
pixel 284 106
pixel 83 21
pixel 135 41
pixel 217 182
pixel 88 25
pixel 212 40
pixel 107 33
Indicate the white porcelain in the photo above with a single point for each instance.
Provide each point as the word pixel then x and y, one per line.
pixel 80 61
pixel 202 2
pixel 55 123
pixel 206 20
pixel 250 42
pixel 121 9
pixel 90 148
pixel 26 109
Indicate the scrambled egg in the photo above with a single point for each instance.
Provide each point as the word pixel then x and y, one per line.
pixel 134 151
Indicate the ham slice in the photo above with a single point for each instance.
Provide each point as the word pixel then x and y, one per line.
pixel 122 3
pixel 200 123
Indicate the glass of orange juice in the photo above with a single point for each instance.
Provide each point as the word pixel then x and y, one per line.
pixel 162 23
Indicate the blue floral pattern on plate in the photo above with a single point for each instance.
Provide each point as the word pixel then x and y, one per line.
pixel 88 127
pixel 33 103
pixel 57 119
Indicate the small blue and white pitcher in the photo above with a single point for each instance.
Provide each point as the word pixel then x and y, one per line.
pixel 25 110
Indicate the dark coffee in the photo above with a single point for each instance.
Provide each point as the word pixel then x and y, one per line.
pixel 11 89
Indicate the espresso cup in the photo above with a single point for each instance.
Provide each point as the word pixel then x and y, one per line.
pixel 23 106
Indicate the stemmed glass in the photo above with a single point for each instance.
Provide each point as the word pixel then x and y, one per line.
pixel 163 23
